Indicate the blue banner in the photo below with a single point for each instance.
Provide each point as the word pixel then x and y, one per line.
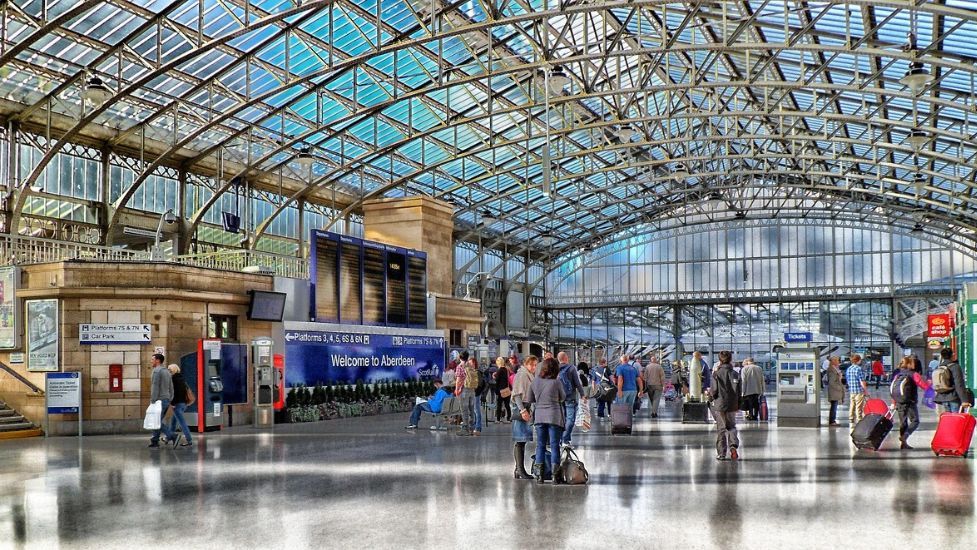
pixel 328 357
pixel 798 337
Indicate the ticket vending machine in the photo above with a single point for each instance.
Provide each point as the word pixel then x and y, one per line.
pixel 264 382
pixel 798 382
pixel 202 373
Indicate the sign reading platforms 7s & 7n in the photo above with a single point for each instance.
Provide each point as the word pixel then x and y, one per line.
pixel 327 356
pixel 135 333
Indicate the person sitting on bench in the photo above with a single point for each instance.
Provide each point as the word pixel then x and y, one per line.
pixel 432 405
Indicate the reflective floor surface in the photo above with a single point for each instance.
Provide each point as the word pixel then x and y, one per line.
pixel 367 483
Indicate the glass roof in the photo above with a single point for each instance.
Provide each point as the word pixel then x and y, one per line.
pixel 643 109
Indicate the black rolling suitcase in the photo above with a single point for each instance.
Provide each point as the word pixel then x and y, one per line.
pixel 621 418
pixel 871 431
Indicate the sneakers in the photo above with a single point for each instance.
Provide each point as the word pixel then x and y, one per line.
pixel 721 457
pixel 905 446
pixel 411 427
pixel 186 444
pixel 733 454
pixel 154 444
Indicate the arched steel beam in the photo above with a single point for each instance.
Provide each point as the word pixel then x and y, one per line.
pixel 48 27
pixel 138 84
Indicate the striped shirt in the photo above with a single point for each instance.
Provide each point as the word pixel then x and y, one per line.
pixel 855 376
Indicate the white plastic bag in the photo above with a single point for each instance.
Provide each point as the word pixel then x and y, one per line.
pixel 583 415
pixel 154 416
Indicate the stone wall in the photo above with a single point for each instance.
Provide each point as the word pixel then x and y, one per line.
pixel 175 300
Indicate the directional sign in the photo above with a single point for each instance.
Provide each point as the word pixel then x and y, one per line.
pixel 115 334
pixel 63 392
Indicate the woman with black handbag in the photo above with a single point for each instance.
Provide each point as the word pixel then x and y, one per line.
pixel 503 392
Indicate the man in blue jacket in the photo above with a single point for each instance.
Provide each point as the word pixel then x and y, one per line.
pixel 432 405
pixel 571 385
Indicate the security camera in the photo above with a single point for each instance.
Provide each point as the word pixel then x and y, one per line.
pixel 169 217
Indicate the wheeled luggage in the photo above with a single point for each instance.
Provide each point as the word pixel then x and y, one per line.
pixel 953 433
pixel 871 430
pixel 695 412
pixel 764 410
pixel 621 418
pixel 876 406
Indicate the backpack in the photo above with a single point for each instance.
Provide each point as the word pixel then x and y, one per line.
pixel 565 380
pixel 472 378
pixel 898 388
pixel 943 379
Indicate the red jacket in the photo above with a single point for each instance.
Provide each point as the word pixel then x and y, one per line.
pixel 877 368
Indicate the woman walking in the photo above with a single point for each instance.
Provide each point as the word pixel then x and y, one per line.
pixel 522 432
pixel 548 395
pixel 182 398
pixel 503 391
pixel 836 389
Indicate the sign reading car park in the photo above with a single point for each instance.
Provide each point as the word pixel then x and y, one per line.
pixel 135 333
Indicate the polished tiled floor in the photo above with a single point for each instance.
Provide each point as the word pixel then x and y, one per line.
pixel 366 483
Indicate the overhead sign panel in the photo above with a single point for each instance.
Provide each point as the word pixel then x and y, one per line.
pixel 136 333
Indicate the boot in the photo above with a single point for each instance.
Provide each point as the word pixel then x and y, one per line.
pixel 538 472
pixel 519 454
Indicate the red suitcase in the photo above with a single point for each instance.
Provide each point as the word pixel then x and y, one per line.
pixel 953 433
pixel 876 406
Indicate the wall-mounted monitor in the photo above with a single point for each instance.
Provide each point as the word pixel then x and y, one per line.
pixel 266 306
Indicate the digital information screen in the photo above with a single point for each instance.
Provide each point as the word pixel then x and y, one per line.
pixel 373 283
pixel 396 288
pixel 417 290
pixel 326 302
pixel 350 284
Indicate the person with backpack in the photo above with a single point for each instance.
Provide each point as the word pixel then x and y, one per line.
pixel 950 385
pixel 905 396
pixel 836 389
pixel 473 373
pixel 491 399
pixel 601 373
pixel 572 390
pixel 724 396
pixel 465 393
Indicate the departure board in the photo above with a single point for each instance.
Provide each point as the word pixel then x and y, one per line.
pixel 396 288
pixel 416 290
pixel 373 284
pixel 363 282
pixel 350 283
pixel 326 308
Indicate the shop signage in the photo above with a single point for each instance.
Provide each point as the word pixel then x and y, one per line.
pixel 939 326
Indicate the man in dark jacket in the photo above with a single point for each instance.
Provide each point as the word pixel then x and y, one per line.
pixel 570 379
pixel 724 394
pixel 951 401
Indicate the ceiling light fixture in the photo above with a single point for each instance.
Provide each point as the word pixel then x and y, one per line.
pixel 488 218
pixel 625 133
pixel 680 172
pixel 96 92
pixel 918 139
pixel 305 158
pixel 917 78
pixel 558 80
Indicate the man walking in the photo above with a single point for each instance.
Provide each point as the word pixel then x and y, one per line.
pixel 161 389
pixel 950 385
pixel 857 390
pixel 654 381
pixel 574 389
pixel 602 373
pixel 629 384
pixel 724 393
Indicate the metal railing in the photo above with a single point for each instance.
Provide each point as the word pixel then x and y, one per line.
pixel 30 385
pixel 238 260
pixel 19 250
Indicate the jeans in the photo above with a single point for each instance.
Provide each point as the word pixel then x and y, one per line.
pixel 726 437
pixel 600 409
pixel 163 427
pixel 628 397
pixel 548 434
pixel 908 419
pixel 178 409
pixel 415 415
pixel 467 400
pixel 833 413
pixel 856 408
pixel 655 398
pixel 949 406
pixel 570 414
pixel 476 413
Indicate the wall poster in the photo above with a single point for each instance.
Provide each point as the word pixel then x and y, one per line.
pixel 42 335
pixel 8 308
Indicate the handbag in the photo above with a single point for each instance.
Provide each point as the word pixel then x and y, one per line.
pixel 154 416
pixel 572 470
pixel 505 393
pixel 191 398
pixel 582 420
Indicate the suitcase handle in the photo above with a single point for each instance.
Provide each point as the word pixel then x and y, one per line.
pixel 965 410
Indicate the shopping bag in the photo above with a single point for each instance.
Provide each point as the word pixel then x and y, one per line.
pixel 154 416
pixel 583 415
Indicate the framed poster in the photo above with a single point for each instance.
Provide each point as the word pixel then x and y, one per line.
pixel 8 308
pixel 42 335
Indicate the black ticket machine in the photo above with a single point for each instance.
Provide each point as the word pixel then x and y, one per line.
pixel 202 373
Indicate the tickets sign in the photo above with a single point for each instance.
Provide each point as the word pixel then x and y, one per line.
pixel 938 326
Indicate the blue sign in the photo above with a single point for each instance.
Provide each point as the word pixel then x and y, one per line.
pixel 63 392
pixel 798 337
pixel 328 357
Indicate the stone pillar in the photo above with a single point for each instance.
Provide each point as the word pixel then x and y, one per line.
pixel 421 223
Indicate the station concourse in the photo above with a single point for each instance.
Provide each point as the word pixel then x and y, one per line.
pixel 393 274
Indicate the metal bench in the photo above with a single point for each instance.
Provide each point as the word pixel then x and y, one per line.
pixel 451 406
